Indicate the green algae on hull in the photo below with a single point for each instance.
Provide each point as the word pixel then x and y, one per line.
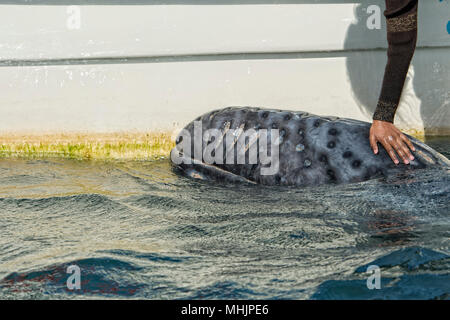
pixel 96 146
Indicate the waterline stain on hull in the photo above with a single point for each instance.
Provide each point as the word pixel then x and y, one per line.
pixel 95 146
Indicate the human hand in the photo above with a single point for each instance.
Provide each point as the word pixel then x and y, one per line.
pixel 392 139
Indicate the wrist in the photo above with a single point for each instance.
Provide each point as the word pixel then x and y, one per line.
pixel 385 111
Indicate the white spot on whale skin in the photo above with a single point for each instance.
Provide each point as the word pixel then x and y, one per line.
pixel 307 163
pixel 299 147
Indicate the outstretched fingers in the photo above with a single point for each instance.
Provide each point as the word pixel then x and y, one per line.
pixel 396 144
pixel 401 150
pixel 373 143
pixel 389 150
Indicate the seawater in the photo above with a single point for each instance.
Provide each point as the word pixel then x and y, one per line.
pixel 138 230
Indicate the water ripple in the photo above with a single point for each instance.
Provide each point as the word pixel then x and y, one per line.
pixel 137 230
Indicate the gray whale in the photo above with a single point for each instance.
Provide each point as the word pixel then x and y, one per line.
pixel 312 150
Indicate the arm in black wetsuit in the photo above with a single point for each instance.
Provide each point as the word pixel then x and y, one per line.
pixel 401 21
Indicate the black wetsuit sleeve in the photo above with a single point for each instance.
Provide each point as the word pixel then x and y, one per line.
pixel 401 20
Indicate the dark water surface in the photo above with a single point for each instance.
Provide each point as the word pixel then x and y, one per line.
pixel 137 230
